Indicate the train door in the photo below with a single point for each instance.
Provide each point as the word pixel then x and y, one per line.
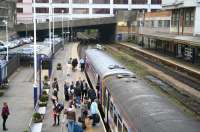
pixel 106 104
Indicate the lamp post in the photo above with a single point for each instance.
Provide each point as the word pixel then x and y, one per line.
pixel 53 31
pixel 50 2
pixel 35 97
pixel 62 29
pixel 6 23
pixel 68 29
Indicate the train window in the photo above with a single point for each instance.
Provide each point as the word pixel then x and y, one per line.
pixel 45 65
pixel 120 119
pixel 115 119
pixel 124 128
pixel 111 109
pixel 119 126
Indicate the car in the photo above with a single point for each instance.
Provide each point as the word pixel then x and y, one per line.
pixel 26 40
pixel 2 46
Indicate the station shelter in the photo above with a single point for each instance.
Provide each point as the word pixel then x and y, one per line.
pixel 186 48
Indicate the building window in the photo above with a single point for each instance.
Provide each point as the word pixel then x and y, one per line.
pixel 101 11
pixel 80 11
pixel 120 2
pixel 42 10
pixel 42 1
pixel 189 17
pixel 166 23
pixel 159 23
pixel 156 1
pixel 19 1
pixel 152 24
pixel 139 1
pixel 59 10
pixel 19 10
pixel 175 18
pixel 101 1
pixel 80 1
pixel 60 1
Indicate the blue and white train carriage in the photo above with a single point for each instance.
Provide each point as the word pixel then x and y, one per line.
pixel 129 105
pixel 3 72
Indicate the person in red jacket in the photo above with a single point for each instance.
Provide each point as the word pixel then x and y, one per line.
pixel 5 112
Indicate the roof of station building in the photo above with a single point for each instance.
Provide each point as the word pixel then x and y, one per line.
pixel 188 40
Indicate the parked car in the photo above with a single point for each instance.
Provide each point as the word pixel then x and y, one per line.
pixel 26 40
pixel 2 46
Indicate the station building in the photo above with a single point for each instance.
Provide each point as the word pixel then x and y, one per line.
pixel 174 31
pixel 7 13
pixel 77 9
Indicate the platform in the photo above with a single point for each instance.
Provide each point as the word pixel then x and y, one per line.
pixel 66 74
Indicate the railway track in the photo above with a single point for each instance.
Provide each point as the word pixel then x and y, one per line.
pixel 189 97
pixel 179 72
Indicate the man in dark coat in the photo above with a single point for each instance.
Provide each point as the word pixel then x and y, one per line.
pixel 55 84
pixel 92 94
pixel 66 87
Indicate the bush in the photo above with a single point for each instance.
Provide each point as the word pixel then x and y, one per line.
pixel 59 67
pixel 44 98
pixel 46 78
pixel 46 86
pixel 44 92
pixel 1 93
pixel 37 117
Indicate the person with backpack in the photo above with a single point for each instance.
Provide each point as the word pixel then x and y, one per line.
pixel 56 113
pixel 4 114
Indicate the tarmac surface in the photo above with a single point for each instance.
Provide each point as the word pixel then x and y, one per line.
pixel 19 97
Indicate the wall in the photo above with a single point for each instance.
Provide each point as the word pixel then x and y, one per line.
pixel 197 21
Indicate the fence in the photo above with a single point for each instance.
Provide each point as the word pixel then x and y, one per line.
pixel 13 64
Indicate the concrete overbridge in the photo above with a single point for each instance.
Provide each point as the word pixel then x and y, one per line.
pixel 106 27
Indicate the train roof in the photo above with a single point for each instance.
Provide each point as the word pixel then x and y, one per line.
pixel 146 110
pixel 106 65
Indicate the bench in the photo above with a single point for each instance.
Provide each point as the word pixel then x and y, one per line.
pixel 37 127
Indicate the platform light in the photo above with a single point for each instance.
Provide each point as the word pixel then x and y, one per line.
pixel 6 23
pixel 35 87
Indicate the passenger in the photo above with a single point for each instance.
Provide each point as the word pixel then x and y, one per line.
pixel 71 118
pixel 55 84
pixel 91 94
pixel 77 92
pixel 4 114
pixel 66 91
pixel 55 93
pixel 84 89
pixel 74 63
pixel 94 112
pixel 54 100
pixel 82 64
pixel 84 111
pixel 71 90
pixel 79 82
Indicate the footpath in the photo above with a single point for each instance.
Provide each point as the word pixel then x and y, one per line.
pixel 19 97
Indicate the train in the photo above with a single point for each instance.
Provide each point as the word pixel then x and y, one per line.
pixel 128 103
